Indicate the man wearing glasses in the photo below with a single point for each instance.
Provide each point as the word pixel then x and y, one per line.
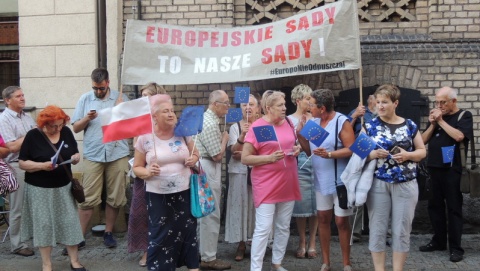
pixel 212 144
pixel 448 126
pixel 14 125
pixel 103 162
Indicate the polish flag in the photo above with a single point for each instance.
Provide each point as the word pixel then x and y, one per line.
pixel 126 120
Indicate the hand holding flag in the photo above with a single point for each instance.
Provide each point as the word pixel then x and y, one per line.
pixel 363 145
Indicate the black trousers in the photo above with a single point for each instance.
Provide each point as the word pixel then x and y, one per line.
pixel 445 208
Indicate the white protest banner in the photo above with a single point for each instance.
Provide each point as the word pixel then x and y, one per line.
pixel 324 39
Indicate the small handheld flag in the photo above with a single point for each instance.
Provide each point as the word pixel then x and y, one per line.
pixel 234 115
pixel 314 133
pixel 241 95
pixel 265 133
pixel 363 145
pixel 190 122
pixel 447 154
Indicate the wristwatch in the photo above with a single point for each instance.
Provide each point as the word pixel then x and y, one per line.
pixel 329 155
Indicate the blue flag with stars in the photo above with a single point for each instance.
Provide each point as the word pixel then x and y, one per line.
pixel 190 122
pixel 363 145
pixel 234 115
pixel 447 153
pixel 265 133
pixel 314 133
pixel 241 95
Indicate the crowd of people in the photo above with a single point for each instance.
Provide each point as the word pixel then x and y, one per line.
pixel 270 181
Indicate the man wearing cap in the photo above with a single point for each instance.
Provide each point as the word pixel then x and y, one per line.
pixel 14 125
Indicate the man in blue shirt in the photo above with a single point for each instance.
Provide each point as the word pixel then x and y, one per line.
pixel 103 162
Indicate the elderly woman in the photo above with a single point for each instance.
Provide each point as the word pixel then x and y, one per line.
pixel 239 222
pixel 49 214
pixel 306 208
pixel 329 160
pixel 163 161
pixel 138 218
pixel 394 191
pixel 274 180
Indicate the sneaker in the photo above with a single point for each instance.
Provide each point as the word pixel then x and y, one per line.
pixel 216 264
pixel 456 256
pixel 431 247
pixel 108 240
pixel 80 246
pixel 325 267
pixel 347 268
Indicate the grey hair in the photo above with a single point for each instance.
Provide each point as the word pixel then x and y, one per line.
pixel 8 91
pixel 99 75
pixel 215 95
pixel 324 97
pixel 452 92
pixel 299 92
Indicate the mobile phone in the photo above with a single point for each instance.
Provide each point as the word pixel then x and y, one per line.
pixel 395 150
pixel 93 110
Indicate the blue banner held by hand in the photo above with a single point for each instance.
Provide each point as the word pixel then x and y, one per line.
pixel 447 154
pixel 363 145
pixel 314 133
pixel 241 95
pixel 190 122
pixel 234 115
pixel 265 133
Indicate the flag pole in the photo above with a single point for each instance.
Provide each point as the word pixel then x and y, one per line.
pixel 285 164
pixel 194 143
pixel 306 161
pixel 153 129
pixel 360 77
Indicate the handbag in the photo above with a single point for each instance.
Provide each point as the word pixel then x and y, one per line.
pixel 423 181
pixel 341 189
pixel 201 196
pixel 77 188
pixel 8 181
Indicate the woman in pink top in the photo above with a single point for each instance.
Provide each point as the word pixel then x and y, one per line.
pixel 163 160
pixel 274 180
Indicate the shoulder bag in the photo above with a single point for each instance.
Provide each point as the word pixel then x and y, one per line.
pixel 8 181
pixel 77 188
pixel 341 189
pixel 202 202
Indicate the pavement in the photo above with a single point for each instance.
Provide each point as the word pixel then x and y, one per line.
pixel 97 257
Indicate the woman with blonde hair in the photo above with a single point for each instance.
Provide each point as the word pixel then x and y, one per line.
pixel 306 208
pixel 274 180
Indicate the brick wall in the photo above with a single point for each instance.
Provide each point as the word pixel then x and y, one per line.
pixel 421 45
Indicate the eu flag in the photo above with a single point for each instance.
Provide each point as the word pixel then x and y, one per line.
pixel 234 115
pixel 363 145
pixel 241 95
pixel 314 133
pixel 447 153
pixel 265 133
pixel 190 122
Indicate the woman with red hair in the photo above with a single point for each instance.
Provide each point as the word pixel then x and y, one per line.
pixel 49 214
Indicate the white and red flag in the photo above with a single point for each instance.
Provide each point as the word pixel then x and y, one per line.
pixel 126 120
